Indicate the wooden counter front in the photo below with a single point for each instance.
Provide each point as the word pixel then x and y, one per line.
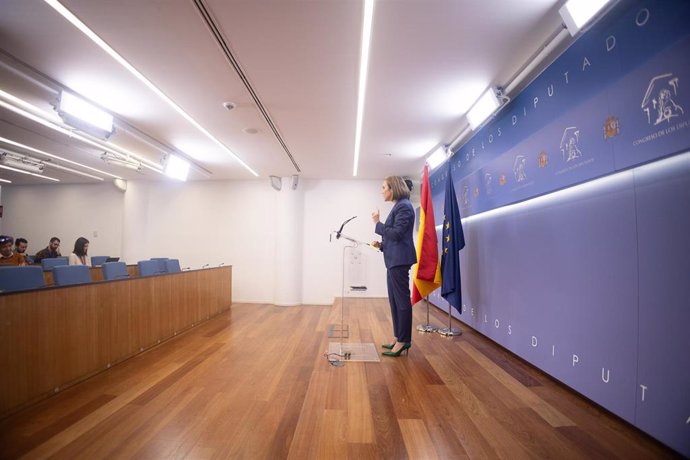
pixel 51 338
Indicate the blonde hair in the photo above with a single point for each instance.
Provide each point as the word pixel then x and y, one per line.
pixel 398 187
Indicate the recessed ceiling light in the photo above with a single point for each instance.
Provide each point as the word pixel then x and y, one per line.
pixel 229 105
pixel 250 130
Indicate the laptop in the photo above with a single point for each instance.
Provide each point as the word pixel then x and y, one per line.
pixel 112 259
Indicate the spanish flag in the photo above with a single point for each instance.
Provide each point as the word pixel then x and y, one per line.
pixel 427 272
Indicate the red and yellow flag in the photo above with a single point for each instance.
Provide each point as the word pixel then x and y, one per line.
pixel 427 272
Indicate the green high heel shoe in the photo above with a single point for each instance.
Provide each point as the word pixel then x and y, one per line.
pixel 406 346
pixel 388 346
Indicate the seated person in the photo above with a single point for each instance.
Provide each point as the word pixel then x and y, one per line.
pixel 80 254
pixel 51 251
pixel 7 257
pixel 20 245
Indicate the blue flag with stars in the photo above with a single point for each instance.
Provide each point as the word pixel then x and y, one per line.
pixel 452 242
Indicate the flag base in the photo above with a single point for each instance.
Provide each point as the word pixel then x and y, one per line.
pixel 450 331
pixel 427 328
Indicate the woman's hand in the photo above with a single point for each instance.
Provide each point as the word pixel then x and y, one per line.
pixel 376 244
pixel 375 216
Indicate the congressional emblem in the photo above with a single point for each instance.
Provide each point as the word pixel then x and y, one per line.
pixel 612 127
pixel 502 180
pixel 659 102
pixel 519 168
pixel 465 196
pixel 543 159
pixel 488 183
pixel 570 144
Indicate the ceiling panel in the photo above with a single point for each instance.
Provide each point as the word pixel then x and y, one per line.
pixel 429 60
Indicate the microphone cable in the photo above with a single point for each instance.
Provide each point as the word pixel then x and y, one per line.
pixel 337 359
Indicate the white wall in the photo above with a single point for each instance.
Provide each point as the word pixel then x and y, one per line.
pixel 67 211
pixel 327 204
pixel 212 222
pixel 200 223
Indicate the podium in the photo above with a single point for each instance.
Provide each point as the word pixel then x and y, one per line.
pixel 344 350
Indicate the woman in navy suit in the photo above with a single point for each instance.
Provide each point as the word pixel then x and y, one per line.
pixel 399 255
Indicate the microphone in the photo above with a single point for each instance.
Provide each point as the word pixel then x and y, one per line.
pixel 221 264
pixel 205 266
pixel 340 230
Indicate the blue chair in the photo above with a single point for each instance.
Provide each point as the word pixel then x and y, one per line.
pixel 65 275
pixel 173 265
pixel 21 278
pixel 162 267
pixel 114 270
pixel 148 267
pixel 51 262
pixel 97 261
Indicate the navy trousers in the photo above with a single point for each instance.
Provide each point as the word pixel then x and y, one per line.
pixel 398 280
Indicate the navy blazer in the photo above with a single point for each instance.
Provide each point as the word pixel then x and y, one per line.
pixel 397 244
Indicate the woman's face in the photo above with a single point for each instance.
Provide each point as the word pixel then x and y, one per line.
pixel 386 191
pixel 86 248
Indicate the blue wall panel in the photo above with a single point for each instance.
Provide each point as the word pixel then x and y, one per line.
pixel 663 200
pixel 561 273
pixel 590 283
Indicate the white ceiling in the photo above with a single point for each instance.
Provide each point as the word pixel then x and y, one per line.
pixel 430 59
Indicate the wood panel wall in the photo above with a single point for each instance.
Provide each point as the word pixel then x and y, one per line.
pixel 52 338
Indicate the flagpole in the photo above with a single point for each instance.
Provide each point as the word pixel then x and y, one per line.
pixel 453 241
pixel 449 331
pixel 427 274
pixel 428 327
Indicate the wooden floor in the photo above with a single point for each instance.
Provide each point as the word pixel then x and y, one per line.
pixel 253 383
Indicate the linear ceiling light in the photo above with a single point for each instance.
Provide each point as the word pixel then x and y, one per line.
pixel 577 13
pixel 85 116
pixel 363 70
pixel 50 155
pixel 73 171
pixel 485 106
pixel 10 168
pixel 22 162
pixel 6 181
pixel 110 159
pixel 35 114
pixel 65 13
pixel 177 168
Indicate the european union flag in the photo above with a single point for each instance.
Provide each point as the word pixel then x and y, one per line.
pixel 453 241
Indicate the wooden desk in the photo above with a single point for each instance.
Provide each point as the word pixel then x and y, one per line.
pixel 54 337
